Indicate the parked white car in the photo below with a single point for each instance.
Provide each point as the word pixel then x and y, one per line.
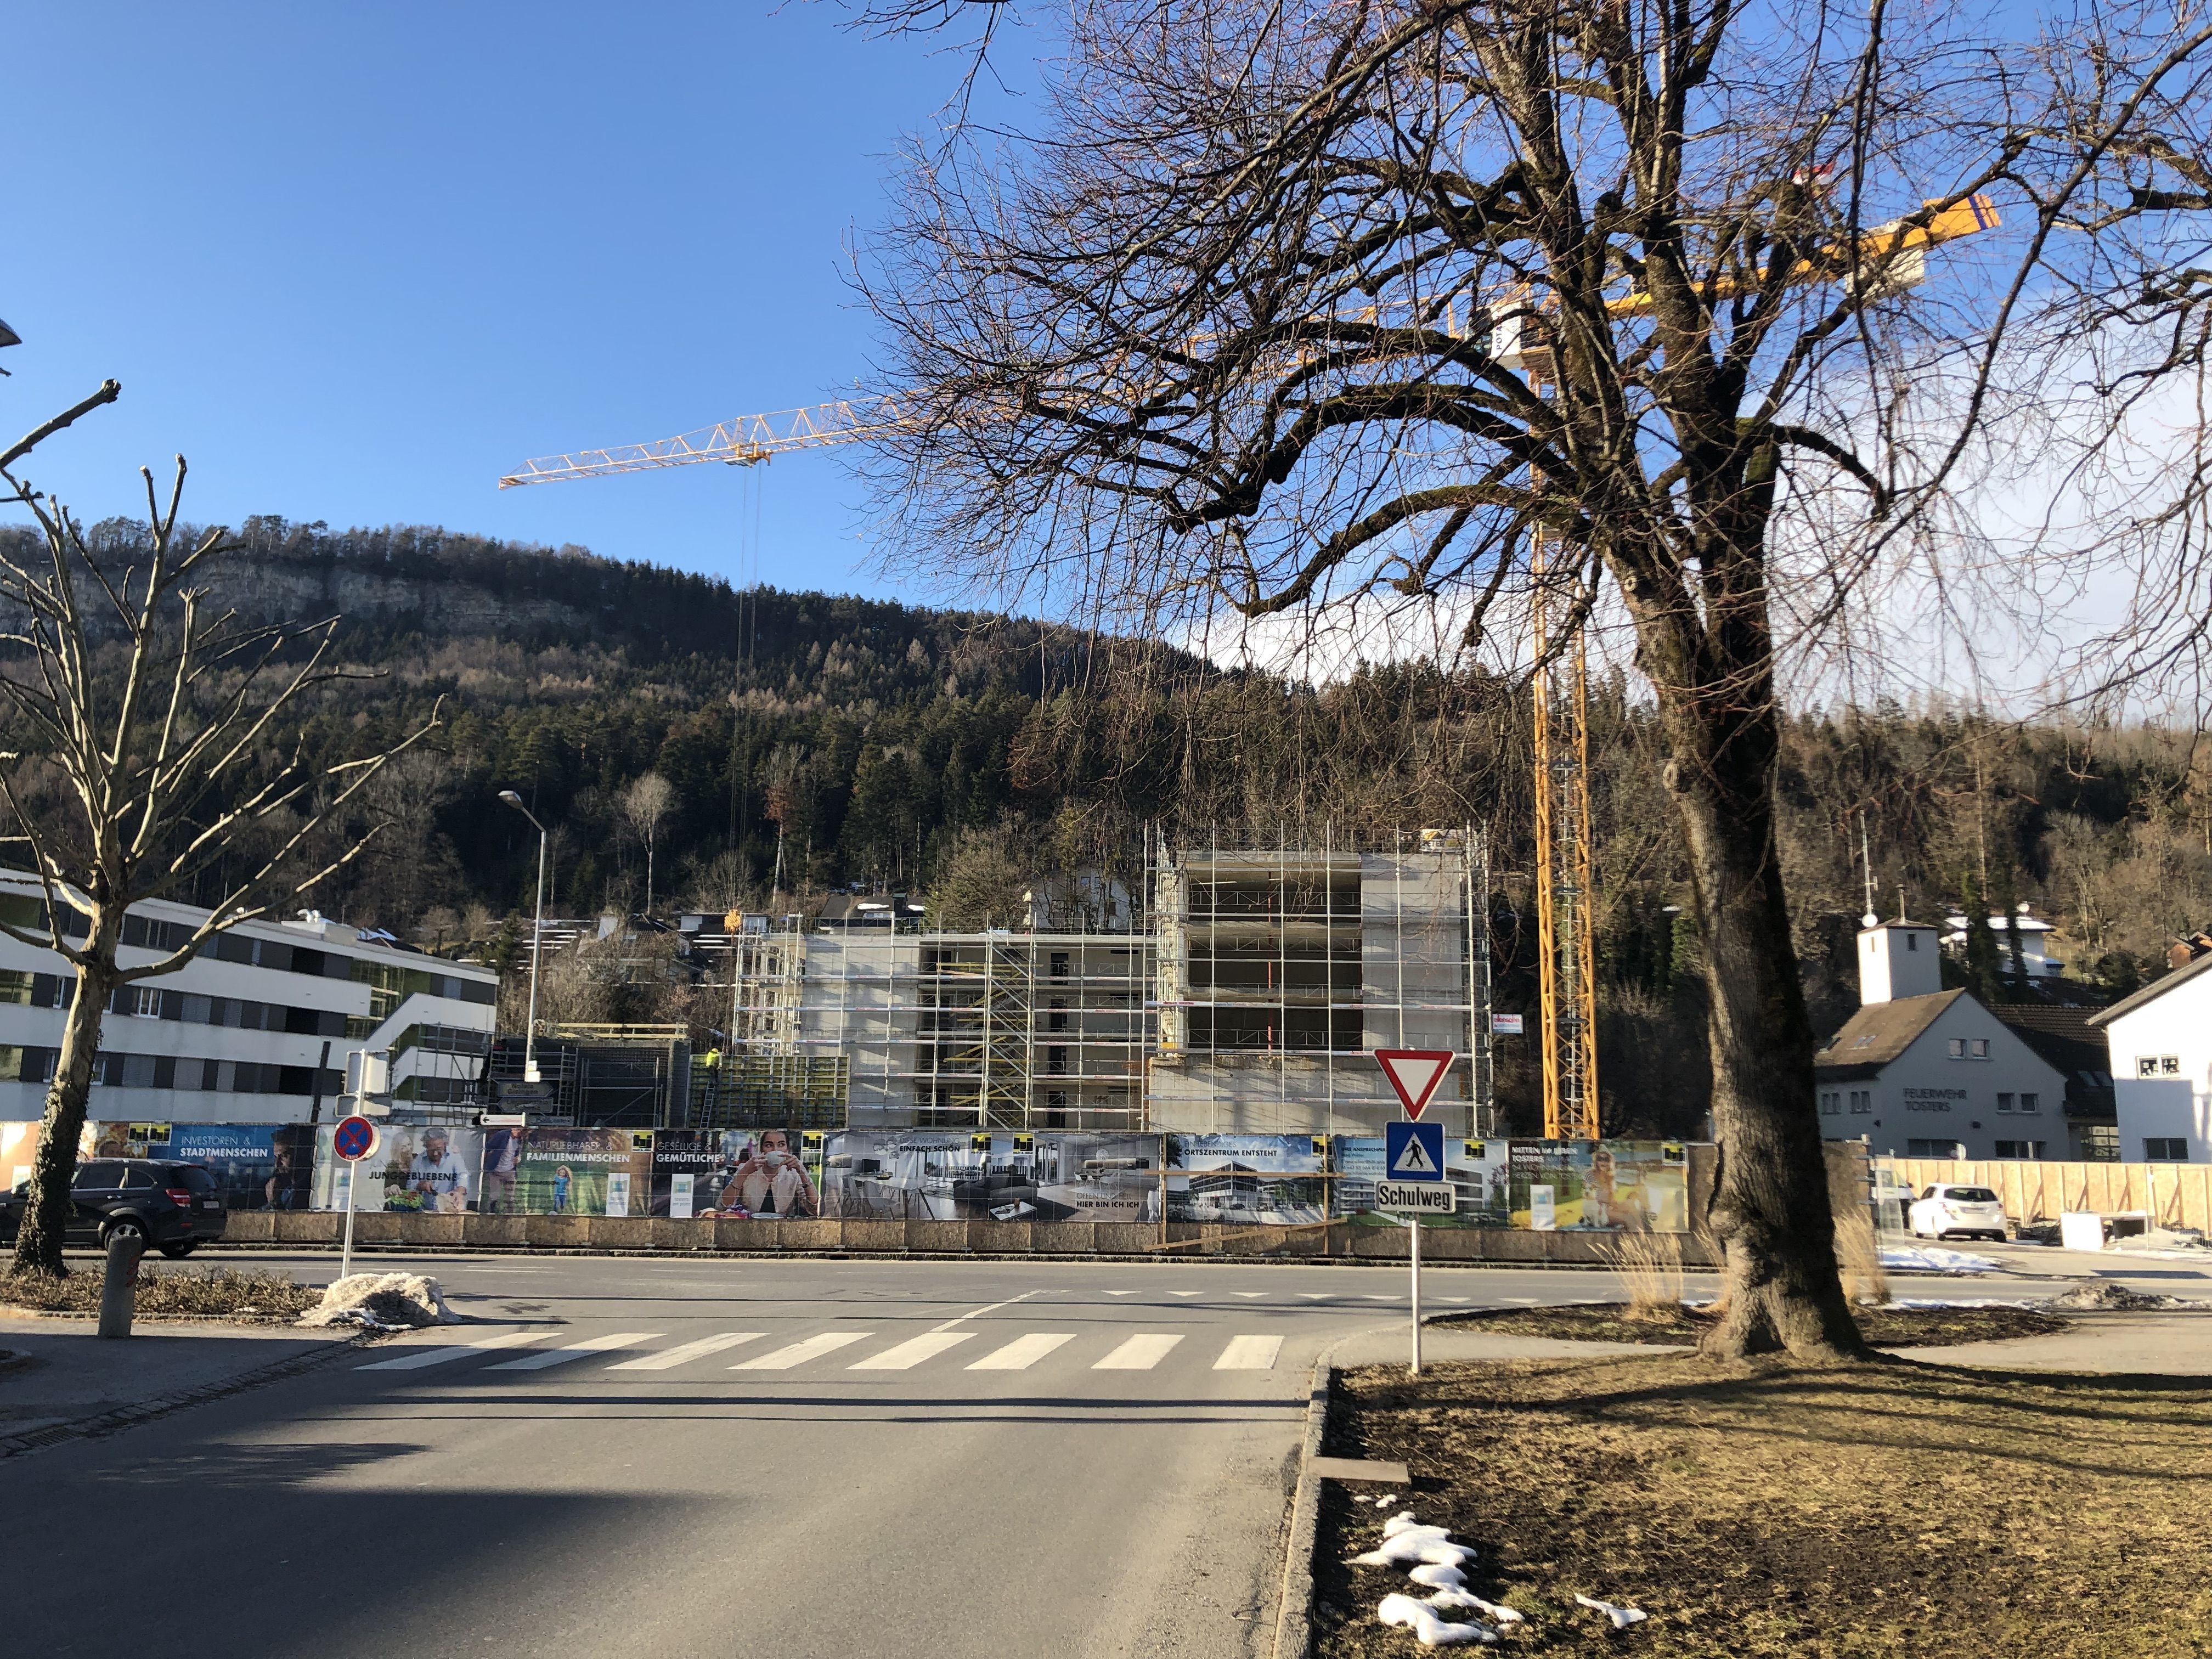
pixel 1947 1211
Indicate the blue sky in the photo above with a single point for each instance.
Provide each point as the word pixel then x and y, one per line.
pixel 356 260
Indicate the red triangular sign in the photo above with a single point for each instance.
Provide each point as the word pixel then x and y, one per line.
pixel 1414 1073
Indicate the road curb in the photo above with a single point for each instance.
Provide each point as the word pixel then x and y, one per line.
pixel 1294 1602
pixel 145 1410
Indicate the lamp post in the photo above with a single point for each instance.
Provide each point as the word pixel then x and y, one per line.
pixel 537 939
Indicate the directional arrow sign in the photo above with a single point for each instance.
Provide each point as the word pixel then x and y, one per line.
pixel 1414 1073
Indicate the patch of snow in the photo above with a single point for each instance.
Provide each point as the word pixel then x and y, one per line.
pixel 1622 1617
pixel 1453 1600
pixel 382 1301
pixel 1434 1574
pixel 1936 1259
pixel 1961 1302
pixel 1424 1546
pixel 1430 1628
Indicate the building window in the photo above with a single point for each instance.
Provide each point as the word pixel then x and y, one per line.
pixel 2100 1143
pixel 1831 1102
pixel 146 1003
pixel 1912 941
pixel 2027 1149
pixel 1979 1047
pixel 2004 1105
pixel 2027 1102
pixel 1958 1047
pixel 2158 1066
pixel 1862 1100
pixel 2172 1150
pixel 1950 1149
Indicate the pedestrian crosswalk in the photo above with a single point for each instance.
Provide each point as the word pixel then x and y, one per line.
pixel 984 1348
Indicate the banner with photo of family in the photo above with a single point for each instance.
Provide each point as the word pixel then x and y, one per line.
pixel 958 1175
pixel 761 1175
pixel 1252 1179
pixel 592 1172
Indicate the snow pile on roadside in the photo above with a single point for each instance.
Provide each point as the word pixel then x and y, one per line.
pixel 1433 1561
pixel 1934 1258
pixel 2096 1293
pixel 381 1302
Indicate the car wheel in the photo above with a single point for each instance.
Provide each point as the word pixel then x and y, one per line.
pixel 179 1252
pixel 127 1226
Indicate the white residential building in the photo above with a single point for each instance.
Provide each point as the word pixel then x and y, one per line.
pixel 2160 1042
pixel 1920 1072
pixel 2035 958
pixel 240 1033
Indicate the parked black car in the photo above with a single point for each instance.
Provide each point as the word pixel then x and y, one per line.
pixel 173 1207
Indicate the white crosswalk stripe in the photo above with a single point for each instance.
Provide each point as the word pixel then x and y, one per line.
pixel 1023 1351
pixel 669 1359
pixel 1140 1353
pixel 907 1355
pixel 1316 1296
pixel 1250 1296
pixel 1120 1293
pixel 800 1352
pixel 567 1351
pixel 414 1360
pixel 1249 1353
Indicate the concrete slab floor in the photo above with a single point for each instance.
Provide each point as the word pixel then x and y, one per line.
pixel 69 1373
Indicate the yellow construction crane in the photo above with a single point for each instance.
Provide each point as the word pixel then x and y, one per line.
pixel 1565 880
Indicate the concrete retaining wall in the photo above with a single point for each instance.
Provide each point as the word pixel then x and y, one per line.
pixel 1342 1241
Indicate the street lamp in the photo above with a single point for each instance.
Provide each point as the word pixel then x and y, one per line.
pixel 537 939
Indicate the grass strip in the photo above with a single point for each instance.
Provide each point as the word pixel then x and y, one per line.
pixel 1860 1512
pixel 241 1296
pixel 1891 1327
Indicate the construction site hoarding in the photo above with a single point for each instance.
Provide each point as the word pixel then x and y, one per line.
pixel 1278 1180
pixel 949 1175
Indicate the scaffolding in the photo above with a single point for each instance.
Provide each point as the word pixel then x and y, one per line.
pixel 1283 967
pixel 1231 989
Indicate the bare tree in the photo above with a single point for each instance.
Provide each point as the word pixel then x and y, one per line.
pixel 1470 308
pixel 645 804
pixel 149 759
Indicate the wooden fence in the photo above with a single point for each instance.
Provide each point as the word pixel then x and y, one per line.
pixel 2172 1194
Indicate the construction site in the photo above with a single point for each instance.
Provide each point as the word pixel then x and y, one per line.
pixel 1227 988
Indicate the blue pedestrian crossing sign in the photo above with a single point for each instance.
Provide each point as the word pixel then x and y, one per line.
pixel 1413 1151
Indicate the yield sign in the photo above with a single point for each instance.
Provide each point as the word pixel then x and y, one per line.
pixel 1414 1073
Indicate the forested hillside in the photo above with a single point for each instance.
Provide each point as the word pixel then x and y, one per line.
pixel 939 750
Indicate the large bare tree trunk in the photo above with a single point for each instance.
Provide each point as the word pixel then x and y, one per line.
pixel 1781 1288
pixel 39 1243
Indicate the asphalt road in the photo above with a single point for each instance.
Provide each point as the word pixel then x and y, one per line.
pixel 783 1458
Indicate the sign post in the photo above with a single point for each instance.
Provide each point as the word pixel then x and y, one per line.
pixel 353 1140
pixel 1414 1161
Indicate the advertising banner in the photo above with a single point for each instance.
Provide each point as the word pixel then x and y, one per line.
pixel 565 1171
pixel 241 1157
pixel 762 1175
pixel 1578 1186
pixel 1474 1170
pixel 426 1168
pixel 957 1175
pixel 1255 1180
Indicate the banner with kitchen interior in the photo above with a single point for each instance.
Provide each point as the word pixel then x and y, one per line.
pixel 759 1174
pixel 959 1175
pixel 1476 1171
pixel 1248 1180
pixel 1581 1185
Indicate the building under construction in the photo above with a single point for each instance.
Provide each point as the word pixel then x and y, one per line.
pixel 1229 989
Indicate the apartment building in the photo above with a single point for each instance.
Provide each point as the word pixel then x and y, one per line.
pixel 255 1028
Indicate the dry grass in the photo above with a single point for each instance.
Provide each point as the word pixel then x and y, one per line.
pixel 1650 1269
pixel 226 1293
pixel 1887 1512
pixel 1858 1254
pixel 1885 1327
